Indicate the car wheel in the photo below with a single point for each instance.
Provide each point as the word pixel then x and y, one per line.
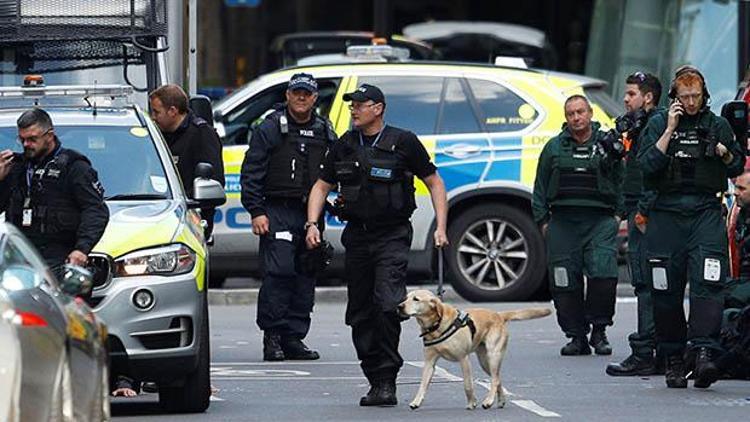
pixel 61 409
pixel 496 254
pixel 193 396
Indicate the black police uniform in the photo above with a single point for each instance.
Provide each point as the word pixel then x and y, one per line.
pixel 193 142
pixel 281 164
pixel 376 197
pixel 57 203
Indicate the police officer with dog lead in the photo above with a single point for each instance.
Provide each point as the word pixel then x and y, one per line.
pixel 281 164
pixel 642 94
pixel 577 202
pixel 374 166
pixel 52 194
pixel 687 154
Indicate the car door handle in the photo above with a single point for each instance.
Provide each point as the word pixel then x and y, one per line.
pixel 462 150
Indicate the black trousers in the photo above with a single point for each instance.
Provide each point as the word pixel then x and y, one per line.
pixel 286 296
pixel 375 263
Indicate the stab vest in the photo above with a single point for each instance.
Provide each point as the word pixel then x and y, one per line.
pixel 375 183
pixel 55 215
pixel 295 163
pixel 579 175
pixel 690 168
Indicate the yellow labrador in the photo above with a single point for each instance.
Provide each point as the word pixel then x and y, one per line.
pixel 451 334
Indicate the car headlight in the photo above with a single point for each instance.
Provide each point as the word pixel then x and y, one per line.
pixel 165 260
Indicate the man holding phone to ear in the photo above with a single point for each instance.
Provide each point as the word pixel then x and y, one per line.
pixel 687 154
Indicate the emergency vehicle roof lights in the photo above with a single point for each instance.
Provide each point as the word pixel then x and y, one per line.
pixel 377 53
pixel 79 91
pixel 509 61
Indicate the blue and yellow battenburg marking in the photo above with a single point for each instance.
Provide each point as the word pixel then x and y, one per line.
pixel 462 160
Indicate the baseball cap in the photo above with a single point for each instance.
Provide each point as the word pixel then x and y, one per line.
pixel 303 81
pixel 366 92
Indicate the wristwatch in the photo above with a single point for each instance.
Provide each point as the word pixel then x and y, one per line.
pixel 311 223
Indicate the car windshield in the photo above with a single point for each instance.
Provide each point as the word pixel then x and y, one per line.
pixel 125 158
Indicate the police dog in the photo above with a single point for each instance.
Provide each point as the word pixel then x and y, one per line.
pixel 485 335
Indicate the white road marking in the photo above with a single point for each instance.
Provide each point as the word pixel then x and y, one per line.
pixel 214 398
pixel 528 405
pixel 535 408
pixel 627 300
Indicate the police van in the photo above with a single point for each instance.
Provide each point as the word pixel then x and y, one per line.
pixel 484 127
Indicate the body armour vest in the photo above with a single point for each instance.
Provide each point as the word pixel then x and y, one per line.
pixel 578 175
pixel 54 216
pixel 693 163
pixel 294 164
pixel 375 183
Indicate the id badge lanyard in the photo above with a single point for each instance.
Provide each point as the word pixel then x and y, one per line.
pixel 27 215
pixel 374 142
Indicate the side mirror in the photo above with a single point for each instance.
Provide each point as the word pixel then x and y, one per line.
pixel 201 106
pixel 76 281
pixel 207 192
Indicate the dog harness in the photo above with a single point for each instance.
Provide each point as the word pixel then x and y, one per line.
pixel 462 320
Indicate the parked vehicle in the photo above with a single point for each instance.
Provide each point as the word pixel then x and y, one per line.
pixel 151 264
pixel 64 373
pixel 10 362
pixel 484 127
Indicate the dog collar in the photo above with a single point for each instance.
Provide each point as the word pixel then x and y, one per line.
pixel 462 320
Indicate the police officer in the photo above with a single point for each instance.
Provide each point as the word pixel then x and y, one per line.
pixel 577 202
pixel 281 164
pixel 686 155
pixel 191 140
pixel 374 166
pixel 642 94
pixel 737 294
pixel 52 194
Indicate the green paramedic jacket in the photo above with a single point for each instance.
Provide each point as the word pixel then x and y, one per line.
pixel 573 175
pixel 660 170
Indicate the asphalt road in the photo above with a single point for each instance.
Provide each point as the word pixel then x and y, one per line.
pixel 540 383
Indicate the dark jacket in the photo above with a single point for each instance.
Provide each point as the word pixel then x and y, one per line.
pixel 265 141
pixel 547 175
pixel 195 141
pixel 68 208
pixel 655 163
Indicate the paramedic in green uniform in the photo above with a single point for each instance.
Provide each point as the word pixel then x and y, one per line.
pixel 578 205
pixel 687 154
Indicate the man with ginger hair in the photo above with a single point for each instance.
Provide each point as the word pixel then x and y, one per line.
pixel 687 153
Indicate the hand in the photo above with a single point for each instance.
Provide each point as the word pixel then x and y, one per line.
pixel 721 149
pixel 545 226
pixel 6 160
pixel 260 225
pixel 675 111
pixel 440 238
pixel 312 239
pixel 77 258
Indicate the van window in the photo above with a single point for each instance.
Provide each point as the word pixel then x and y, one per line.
pixel 240 121
pixel 456 115
pixel 502 110
pixel 411 101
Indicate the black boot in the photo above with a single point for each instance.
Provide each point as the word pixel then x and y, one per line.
pixel 675 372
pixel 576 346
pixel 295 349
pixel 272 347
pixel 599 341
pixel 633 365
pixel 706 372
pixel 382 393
